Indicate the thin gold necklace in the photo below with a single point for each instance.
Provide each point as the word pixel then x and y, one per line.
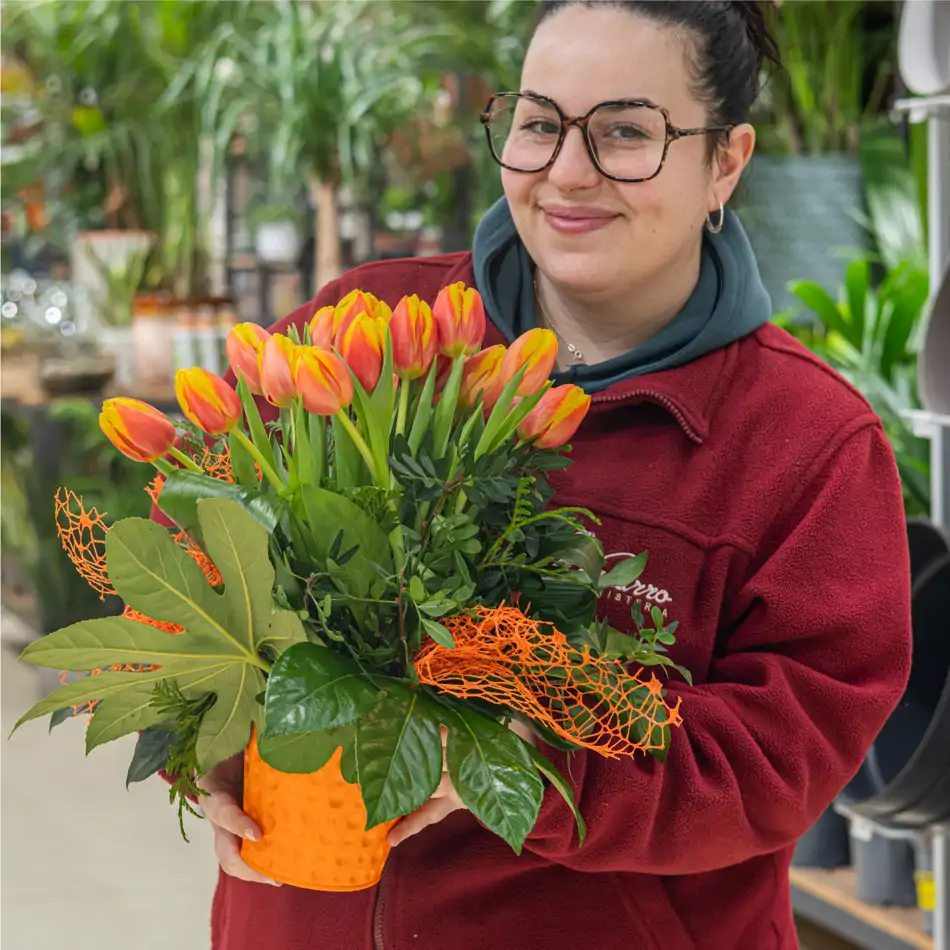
pixel 576 354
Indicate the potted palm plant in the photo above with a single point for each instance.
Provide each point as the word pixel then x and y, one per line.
pixel 801 198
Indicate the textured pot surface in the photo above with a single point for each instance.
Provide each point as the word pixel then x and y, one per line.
pixel 313 828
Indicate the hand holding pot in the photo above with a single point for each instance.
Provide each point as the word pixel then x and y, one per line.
pixel 224 785
pixel 445 800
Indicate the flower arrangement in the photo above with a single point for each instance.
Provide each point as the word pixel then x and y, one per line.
pixel 370 588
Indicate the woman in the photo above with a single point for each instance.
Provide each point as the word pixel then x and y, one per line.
pixel 762 485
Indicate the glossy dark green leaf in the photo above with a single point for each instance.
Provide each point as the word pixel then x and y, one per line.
pixel 303 752
pixel 150 755
pixel 563 787
pixel 399 754
pixel 494 776
pixel 312 688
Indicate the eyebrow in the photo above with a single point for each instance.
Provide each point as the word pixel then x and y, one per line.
pixel 638 100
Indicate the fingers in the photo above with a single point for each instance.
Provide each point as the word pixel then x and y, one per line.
pixel 442 804
pixel 222 810
pixel 227 849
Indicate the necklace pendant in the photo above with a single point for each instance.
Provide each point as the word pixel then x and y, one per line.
pixel 575 352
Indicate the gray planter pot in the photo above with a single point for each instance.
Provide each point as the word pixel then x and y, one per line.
pixel 798 211
pixel 826 844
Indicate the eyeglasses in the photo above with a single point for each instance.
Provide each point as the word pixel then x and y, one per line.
pixel 627 140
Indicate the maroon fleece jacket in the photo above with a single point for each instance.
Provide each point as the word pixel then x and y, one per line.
pixel 766 493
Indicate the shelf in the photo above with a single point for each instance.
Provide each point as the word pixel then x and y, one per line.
pixel 830 898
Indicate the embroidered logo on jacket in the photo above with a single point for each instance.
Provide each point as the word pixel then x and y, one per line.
pixel 638 590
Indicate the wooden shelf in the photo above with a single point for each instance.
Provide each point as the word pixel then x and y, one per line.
pixel 830 898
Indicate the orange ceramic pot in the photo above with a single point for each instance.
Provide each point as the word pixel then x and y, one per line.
pixel 313 828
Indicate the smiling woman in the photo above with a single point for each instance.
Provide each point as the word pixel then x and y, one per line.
pixel 762 485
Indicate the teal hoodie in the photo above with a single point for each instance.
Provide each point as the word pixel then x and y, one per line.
pixel 728 302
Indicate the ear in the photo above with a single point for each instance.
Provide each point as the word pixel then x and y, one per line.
pixel 730 160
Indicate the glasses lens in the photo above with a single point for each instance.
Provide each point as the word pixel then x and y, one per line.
pixel 524 132
pixel 628 140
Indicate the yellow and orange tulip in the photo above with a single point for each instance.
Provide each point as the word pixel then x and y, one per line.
pixel 351 306
pixel 277 360
pixel 243 347
pixel 138 430
pixel 556 417
pixel 536 349
pixel 481 376
pixel 362 345
pixel 415 341
pixel 460 319
pixel 323 381
pixel 207 400
pixel 322 328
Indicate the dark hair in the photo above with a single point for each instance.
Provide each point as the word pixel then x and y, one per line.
pixel 732 42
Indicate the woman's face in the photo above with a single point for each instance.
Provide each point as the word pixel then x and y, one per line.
pixel 593 237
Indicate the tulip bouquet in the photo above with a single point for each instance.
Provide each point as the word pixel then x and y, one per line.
pixel 372 582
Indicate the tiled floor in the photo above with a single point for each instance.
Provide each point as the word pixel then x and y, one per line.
pixel 87 865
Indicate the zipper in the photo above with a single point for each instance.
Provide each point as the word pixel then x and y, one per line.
pixel 664 401
pixel 379 908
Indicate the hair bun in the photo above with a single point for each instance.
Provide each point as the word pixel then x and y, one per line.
pixel 753 12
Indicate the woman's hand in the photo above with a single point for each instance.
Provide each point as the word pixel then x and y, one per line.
pixel 224 785
pixel 445 800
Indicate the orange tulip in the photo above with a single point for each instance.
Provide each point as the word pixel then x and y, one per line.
pixel 137 429
pixel 362 346
pixel 536 349
pixel 207 400
pixel 460 318
pixel 277 360
pixel 323 381
pixel 556 417
pixel 414 337
pixel 350 307
pixel 322 328
pixel 481 376
pixel 243 347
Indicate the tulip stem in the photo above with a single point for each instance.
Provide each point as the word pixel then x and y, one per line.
pixel 185 460
pixel 164 466
pixel 403 410
pixel 266 467
pixel 359 442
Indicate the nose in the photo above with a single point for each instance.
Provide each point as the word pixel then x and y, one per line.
pixel 573 168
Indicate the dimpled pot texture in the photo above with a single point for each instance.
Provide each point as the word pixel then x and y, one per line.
pixel 313 828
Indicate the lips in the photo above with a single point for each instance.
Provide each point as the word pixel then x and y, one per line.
pixel 574 219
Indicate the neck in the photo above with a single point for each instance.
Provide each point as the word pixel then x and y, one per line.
pixel 605 328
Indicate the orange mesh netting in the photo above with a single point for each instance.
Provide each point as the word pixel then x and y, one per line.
pixel 132 614
pixel 83 536
pixel 507 659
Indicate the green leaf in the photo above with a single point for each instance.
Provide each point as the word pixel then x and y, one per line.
pixel 61 716
pixel 493 775
pixel 398 754
pixel 818 300
pixel 587 554
pixel 856 289
pixel 499 414
pixel 302 452
pixel 624 573
pixel 348 763
pixel 242 464
pixel 150 755
pixel 312 688
pixel 445 410
pixel 560 783
pixel 255 424
pixel 417 590
pixel 304 752
pixel 329 515
pixel 124 713
pixel 349 468
pixel 439 633
pixel 182 493
pixel 423 413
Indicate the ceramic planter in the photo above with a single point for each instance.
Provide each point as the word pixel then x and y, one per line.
pixel 313 828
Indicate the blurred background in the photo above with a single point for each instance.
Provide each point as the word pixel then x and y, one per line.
pixel 171 167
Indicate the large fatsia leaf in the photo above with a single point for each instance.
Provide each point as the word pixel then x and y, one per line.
pixel 218 652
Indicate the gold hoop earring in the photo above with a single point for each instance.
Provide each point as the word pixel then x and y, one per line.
pixel 717 227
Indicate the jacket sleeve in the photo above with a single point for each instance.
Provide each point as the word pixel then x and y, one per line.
pixel 817 656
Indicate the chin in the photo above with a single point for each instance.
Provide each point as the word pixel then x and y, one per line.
pixel 586 276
